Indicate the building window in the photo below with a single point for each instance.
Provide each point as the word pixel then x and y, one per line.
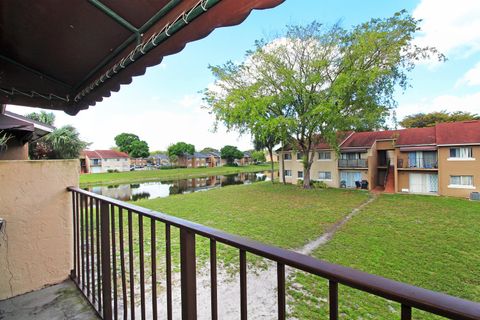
pixel 299 156
pixel 324 155
pixel 351 156
pixel 461 153
pixel 287 156
pixel 324 175
pixel 461 181
pixel 300 174
pixel 288 173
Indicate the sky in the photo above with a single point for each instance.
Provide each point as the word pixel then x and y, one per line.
pixel 164 106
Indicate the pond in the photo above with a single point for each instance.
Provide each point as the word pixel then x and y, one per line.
pixel 161 189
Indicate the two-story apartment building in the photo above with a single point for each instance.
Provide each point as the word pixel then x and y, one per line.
pixel 96 161
pixel 443 160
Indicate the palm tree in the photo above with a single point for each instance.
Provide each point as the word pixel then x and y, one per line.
pixel 42 116
pixel 65 143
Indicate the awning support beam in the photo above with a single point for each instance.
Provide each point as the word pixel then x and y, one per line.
pixel 154 19
pixel 115 16
pixel 150 44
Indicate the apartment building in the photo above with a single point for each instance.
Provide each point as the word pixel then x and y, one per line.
pixel 97 161
pixel 443 160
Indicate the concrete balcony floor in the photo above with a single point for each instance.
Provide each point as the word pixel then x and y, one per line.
pixel 60 301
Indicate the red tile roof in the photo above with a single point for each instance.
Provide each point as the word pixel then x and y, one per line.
pixel 415 136
pixel 463 132
pixel 104 154
pixel 366 139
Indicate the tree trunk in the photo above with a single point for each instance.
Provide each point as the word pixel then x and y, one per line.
pixel 283 165
pixel 307 166
pixel 270 152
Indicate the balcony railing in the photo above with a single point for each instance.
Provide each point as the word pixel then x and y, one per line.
pixel 352 163
pixel 112 274
pixel 419 163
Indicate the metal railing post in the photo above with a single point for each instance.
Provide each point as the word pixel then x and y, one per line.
pixel 106 260
pixel 188 275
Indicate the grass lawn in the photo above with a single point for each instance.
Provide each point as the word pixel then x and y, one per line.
pixel 164 174
pixel 431 242
pixel 276 214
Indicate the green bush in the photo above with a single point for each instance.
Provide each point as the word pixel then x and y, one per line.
pixel 112 171
pixel 314 184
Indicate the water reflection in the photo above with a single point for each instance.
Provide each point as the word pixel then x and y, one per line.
pixel 160 189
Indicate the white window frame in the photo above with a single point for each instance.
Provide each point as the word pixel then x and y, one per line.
pixel 299 159
pixel 285 172
pixel 468 151
pixel 287 153
pixel 462 185
pixel 324 179
pixel 298 174
pixel 326 159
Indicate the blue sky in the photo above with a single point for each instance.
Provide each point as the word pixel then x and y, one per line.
pixel 164 105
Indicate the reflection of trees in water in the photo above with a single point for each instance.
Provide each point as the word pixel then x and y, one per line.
pixel 140 195
pixel 231 179
pixel 178 187
pixel 135 185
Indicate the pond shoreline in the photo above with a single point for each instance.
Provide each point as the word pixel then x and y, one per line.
pixel 105 179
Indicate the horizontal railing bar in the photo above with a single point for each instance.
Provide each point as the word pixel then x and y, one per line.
pixel 416 297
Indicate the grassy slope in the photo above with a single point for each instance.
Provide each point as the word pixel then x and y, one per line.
pixel 426 241
pixel 166 174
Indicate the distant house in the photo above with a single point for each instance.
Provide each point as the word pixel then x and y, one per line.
pixel 245 160
pixel 139 162
pixel 21 131
pixel 214 159
pixel 96 161
pixel 159 160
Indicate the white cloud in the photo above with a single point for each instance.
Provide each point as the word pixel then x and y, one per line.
pixel 467 103
pixel 450 26
pixel 471 77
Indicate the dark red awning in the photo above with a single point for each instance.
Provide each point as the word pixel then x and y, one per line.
pixel 68 55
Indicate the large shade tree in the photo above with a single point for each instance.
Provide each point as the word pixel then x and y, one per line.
pixel 314 81
pixel 131 144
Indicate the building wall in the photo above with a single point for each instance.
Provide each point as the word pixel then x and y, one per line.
pixel 318 165
pixel 447 168
pixel 15 151
pixel 37 209
pixel 120 164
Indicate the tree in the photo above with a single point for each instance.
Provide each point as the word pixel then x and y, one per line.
pixel 230 153
pixel 420 120
pixel 267 139
pixel 314 81
pixel 208 150
pixel 65 142
pixel 61 143
pixel 43 117
pixel 4 137
pixel 131 144
pixel 258 156
pixel 139 149
pixel 179 149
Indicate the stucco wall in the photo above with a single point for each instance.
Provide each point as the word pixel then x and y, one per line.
pixel 15 151
pixel 35 248
pixel 447 168
pixel 318 165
